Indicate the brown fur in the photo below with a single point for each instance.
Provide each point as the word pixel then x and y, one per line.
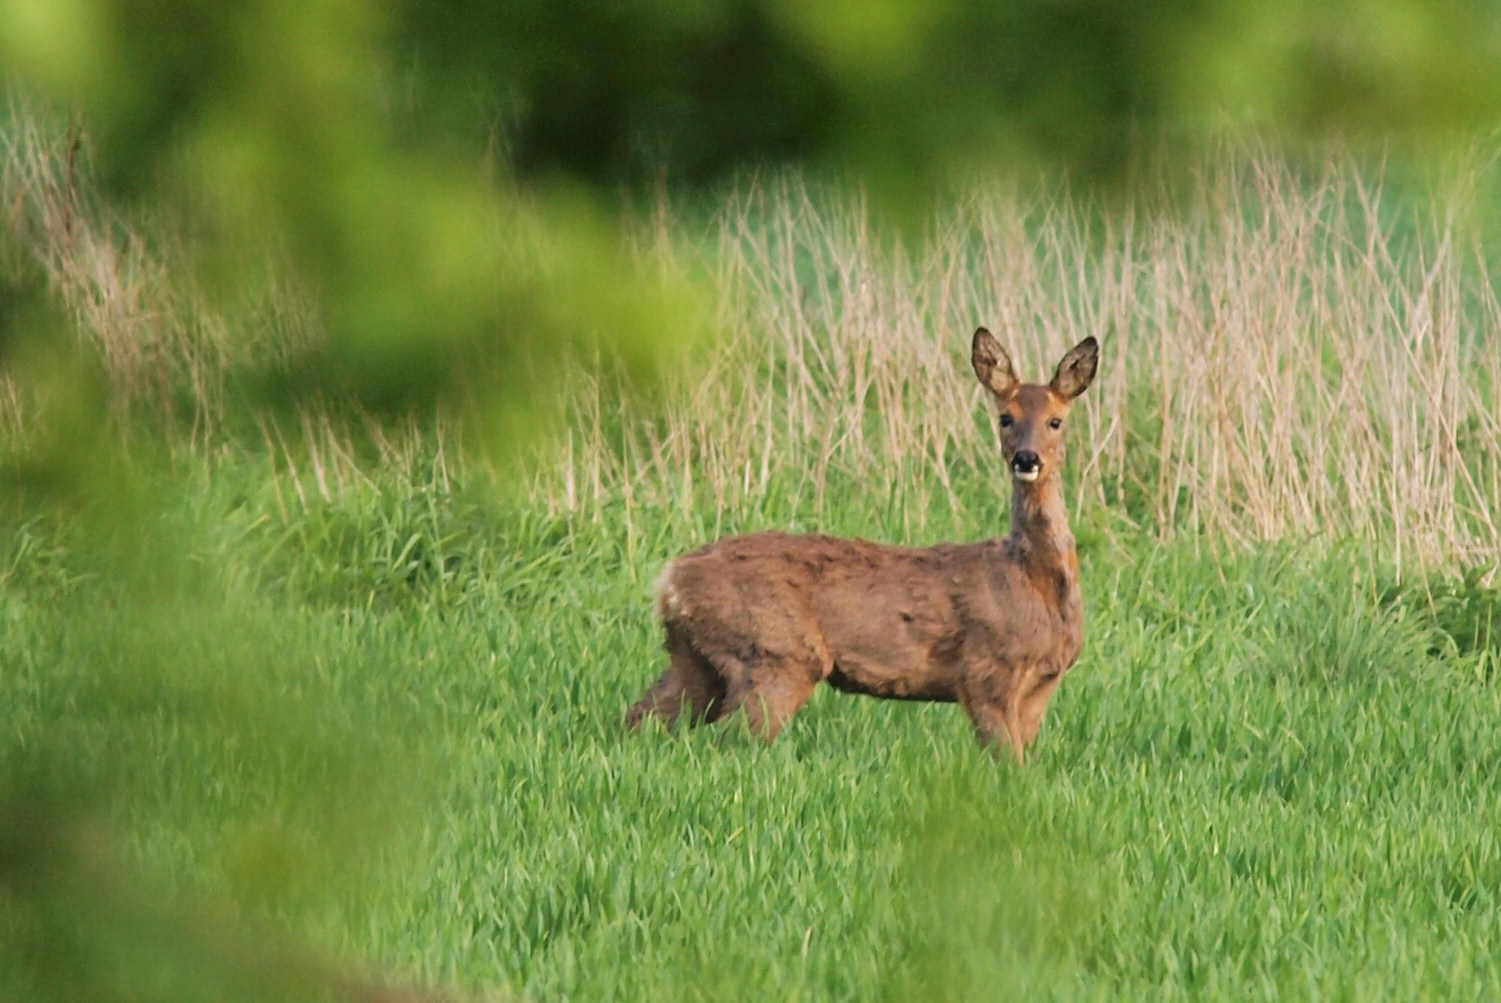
pixel 754 623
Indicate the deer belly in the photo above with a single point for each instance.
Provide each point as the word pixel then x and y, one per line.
pixel 891 682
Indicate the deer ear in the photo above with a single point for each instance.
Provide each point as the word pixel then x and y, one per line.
pixel 1077 369
pixel 992 364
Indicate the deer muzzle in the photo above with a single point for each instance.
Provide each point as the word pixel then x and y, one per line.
pixel 1026 465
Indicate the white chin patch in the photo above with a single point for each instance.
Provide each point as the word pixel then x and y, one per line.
pixel 1026 476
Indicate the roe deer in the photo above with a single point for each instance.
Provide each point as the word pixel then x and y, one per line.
pixel 754 623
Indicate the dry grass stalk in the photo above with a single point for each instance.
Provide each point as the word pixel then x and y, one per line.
pixel 130 290
pixel 1284 362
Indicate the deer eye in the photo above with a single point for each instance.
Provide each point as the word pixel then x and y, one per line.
pixel 1055 423
pixel 1007 421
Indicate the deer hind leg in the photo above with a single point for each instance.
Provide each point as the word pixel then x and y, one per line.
pixel 690 684
pixel 770 693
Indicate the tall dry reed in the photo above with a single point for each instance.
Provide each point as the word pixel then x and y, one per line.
pixel 1283 357
pixel 1288 352
pixel 130 292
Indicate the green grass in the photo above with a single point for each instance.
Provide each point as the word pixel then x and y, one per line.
pixel 1273 774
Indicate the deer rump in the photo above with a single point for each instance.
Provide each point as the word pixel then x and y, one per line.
pixel 777 612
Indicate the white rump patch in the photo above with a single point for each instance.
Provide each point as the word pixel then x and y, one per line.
pixel 668 599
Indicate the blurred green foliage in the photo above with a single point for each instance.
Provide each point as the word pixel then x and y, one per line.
pixel 353 133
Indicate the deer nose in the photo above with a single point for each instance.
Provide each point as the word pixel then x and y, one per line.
pixel 1026 465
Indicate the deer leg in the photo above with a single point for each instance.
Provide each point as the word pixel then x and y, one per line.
pixel 992 719
pixel 1014 731
pixel 704 692
pixel 770 694
pixel 663 699
pixel 1032 709
pixel 690 683
pixel 769 707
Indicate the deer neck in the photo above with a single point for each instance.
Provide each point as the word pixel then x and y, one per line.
pixel 1039 525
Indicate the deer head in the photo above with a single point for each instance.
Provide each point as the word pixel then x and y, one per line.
pixel 1032 415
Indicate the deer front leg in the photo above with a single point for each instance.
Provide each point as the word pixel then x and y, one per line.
pixel 1034 705
pixel 992 719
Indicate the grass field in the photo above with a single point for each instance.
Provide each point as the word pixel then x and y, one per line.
pixel 373 701
pixel 1268 777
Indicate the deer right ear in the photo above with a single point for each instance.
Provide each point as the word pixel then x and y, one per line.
pixel 992 364
pixel 1077 369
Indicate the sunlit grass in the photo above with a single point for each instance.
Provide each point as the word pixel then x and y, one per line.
pixel 1270 775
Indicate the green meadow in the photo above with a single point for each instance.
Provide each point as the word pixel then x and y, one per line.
pixel 301 690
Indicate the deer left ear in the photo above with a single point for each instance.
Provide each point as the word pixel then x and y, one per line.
pixel 1077 369
pixel 992 364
